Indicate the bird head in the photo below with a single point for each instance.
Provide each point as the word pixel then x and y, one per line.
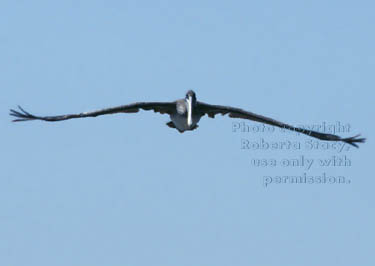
pixel 190 96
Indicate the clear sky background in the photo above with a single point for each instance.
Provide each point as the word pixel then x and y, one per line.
pixel 128 190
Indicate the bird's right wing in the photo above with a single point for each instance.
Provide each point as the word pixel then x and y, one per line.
pixel 160 107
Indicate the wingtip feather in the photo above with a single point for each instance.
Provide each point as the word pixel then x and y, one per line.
pixel 354 140
pixel 21 115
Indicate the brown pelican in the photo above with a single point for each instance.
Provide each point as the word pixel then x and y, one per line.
pixel 185 115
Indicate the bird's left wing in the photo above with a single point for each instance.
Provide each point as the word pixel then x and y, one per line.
pixel 160 107
pixel 212 110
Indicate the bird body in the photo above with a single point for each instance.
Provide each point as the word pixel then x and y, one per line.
pixel 180 121
pixel 185 115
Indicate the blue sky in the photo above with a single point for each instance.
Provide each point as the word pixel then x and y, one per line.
pixel 128 190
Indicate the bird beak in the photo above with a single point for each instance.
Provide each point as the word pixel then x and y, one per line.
pixel 190 109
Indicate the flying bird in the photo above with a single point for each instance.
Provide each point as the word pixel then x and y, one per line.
pixel 185 115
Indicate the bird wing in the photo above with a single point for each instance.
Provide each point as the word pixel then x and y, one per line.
pixel 212 110
pixel 160 107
